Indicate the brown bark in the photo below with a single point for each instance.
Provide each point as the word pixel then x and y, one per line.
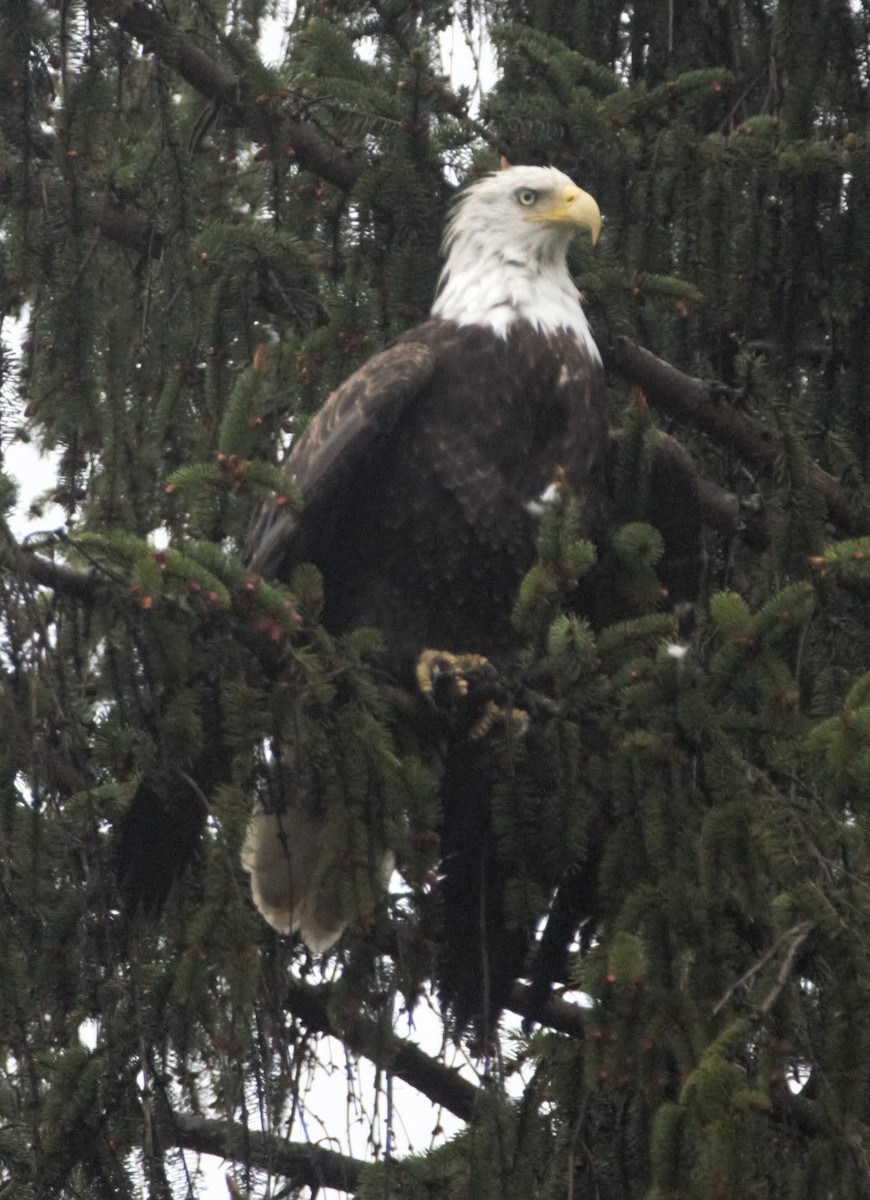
pixel 442 1085
pixel 301 1164
pixel 220 84
pixel 706 406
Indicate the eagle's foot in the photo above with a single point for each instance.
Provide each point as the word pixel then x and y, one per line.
pixel 466 689
pixel 514 719
pixel 446 679
pixel 552 495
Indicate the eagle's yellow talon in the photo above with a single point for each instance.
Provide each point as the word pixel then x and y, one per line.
pixel 435 664
pixel 515 718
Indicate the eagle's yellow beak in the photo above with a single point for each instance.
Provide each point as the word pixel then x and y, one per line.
pixel 573 207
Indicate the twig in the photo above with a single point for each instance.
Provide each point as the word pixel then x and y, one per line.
pixel 801 933
pixel 798 934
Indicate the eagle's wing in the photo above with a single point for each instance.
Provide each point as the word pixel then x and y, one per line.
pixel 346 433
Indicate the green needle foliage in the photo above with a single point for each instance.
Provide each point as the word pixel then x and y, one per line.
pixel 201 234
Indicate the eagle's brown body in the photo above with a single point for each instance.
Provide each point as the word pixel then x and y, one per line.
pixel 424 477
pixel 429 533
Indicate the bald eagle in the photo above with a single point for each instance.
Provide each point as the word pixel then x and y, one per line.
pixel 424 477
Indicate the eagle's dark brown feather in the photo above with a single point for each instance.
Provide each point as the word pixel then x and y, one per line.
pixel 333 450
pixel 426 533
pixel 422 479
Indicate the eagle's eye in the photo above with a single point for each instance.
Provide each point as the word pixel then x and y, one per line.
pixel 526 197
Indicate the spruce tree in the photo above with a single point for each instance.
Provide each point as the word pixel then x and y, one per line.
pixel 198 245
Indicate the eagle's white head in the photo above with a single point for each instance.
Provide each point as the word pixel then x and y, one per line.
pixel 505 249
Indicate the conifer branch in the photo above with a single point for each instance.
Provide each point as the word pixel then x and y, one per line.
pixel 124 226
pixel 82 585
pixel 434 85
pixel 805 1115
pixel 800 933
pixel 301 1164
pixel 701 404
pixel 560 1015
pixel 442 1085
pixel 219 84
pixel 722 510
pixel 795 938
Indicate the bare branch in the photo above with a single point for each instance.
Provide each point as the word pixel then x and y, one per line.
pixel 303 1165
pixel 83 585
pixel 23 560
pixel 558 1014
pixel 442 1085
